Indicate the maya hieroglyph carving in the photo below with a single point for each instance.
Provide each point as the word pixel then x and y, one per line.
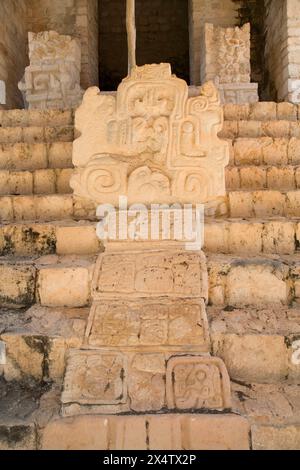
pixel 151 142
pixel 226 61
pixel 52 80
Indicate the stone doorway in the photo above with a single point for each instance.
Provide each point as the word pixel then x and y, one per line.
pixel 162 36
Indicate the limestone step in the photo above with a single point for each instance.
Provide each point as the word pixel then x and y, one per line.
pixel 264 203
pixel 47 181
pixel 50 280
pixel 253 281
pixel 264 151
pixel 240 204
pixel 36 207
pixel 256 129
pixel 262 111
pixel 249 177
pixel 273 412
pixel 35 156
pixel 68 237
pixel 36 118
pixel 37 340
pixel 265 417
pixel 35 134
pixel 257 344
pixel 64 281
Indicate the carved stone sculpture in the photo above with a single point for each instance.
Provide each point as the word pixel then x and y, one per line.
pixel 226 61
pixel 52 80
pixel 147 344
pixel 151 142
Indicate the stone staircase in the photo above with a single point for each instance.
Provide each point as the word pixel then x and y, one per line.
pixel 48 253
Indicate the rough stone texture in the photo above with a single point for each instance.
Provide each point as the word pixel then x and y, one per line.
pixel 220 12
pixel 75 18
pixel 256 344
pixel 275 438
pixel 12 49
pixel 226 61
pixel 156 172
pixel 37 342
pixel 174 432
pixel 52 80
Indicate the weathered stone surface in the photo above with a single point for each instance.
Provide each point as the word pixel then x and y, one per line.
pixel 17 285
pixel 275 438
pixel 226 60
pixel 52 80
pixel 173 432
pixel 36 345
pixel 115 381
pixel 18 437
pixel 62 285
pixel 148 323
pixel 151 273
pixel 160 169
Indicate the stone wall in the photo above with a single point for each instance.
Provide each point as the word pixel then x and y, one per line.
pixel 12 49
pixel 253 12
pixel 218 12
pixel 74 17
pixel 290 90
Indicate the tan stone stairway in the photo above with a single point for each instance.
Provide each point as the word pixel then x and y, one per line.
pixel 48 251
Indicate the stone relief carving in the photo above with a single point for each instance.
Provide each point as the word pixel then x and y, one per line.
pixel 158 322
pixel 122 381
pixel 194 382
pixel 158 132
pixel 52 80
pixel 154 273
pixel 226 61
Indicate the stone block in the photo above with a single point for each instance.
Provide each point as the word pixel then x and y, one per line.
pixel 44 181
pixel 64 286
pixel 256 284
pixel 276 437
pixel 263 111
pixel 60 155
pixel 279 237
pixel 18 437
pixel 253 358
pixel 79 240
pixel 17 285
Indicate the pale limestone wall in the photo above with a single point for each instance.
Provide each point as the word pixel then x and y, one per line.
pixel 290 90
pixel 72 17
pixel 12 49
pixel 218 12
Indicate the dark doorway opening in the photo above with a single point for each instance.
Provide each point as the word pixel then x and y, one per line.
pixel 162 36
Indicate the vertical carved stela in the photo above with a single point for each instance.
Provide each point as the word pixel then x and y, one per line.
pixel 52 80
pixel 226 61
pixel 151 142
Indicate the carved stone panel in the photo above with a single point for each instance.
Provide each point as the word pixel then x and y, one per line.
pixel 152 273
pixel 165 143
pixel 110 381
pixel 226 61
pixel 197 382
pixel 144 323
pixel 96 379
pixel 52 80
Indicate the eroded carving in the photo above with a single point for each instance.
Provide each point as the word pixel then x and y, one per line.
pixel 197 382
pixel 153 273
pixel 52 80
pixel 141 323
pixel 154 128
pixel 226 61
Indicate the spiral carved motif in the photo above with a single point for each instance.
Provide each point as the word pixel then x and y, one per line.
pixel 100 178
